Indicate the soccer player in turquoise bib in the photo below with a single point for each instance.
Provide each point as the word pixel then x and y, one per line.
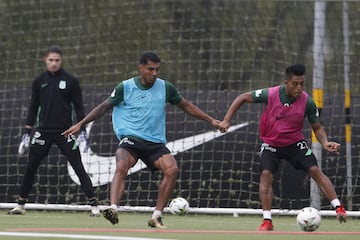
pixel 281 125
pixel 139 123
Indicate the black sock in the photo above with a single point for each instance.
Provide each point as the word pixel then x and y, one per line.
pixel 21 201
pixel 93 202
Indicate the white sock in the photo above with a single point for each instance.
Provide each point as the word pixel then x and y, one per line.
pixel 114 206
pixel 156 213
pixel 335 202
pixel 21 206
pixel 267 214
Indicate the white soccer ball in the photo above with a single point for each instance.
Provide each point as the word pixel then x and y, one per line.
pixel 308 219
pixel 179 206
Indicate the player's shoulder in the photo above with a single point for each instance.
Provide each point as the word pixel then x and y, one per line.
pixel 41 78
pixel 68 76
pixel 168 84
pixel 310 103
pixel 259 93
pixel 309 97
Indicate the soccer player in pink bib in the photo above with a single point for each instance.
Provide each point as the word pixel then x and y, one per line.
pixel 281 125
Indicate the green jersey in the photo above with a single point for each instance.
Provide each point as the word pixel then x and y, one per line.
pixel 311 110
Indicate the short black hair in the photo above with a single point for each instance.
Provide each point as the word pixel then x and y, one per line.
pixel 149 56
pixel 54 49
pixel 295 70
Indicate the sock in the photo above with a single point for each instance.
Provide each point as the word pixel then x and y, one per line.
pixel 335 203
pixel 21 206
pixel 114 206
pixel 156 213
pixel 21 203
pixel 267 214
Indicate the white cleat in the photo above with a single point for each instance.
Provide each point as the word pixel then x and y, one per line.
pixel 17 211
pixel 95 212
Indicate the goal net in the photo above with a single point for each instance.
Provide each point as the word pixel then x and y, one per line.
pixel 212 51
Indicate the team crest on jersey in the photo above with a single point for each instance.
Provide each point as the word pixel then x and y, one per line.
pixel 62 84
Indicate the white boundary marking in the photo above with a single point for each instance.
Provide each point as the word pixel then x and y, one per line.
pixel 71 236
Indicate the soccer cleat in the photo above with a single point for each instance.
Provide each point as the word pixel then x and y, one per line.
pixel 266 226
pixel 16 211
pixel 95 212
pixel 111 215
pixel 341 213
pixel 156 223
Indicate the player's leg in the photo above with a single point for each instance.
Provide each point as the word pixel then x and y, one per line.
pixel 265 189
pixel 301 157
pixel 69 148
pixel 39 149
pixel 323 181
pixel 266 197
pixel 168 165
pixel 269 160
pixel 124 161
pixel 328 190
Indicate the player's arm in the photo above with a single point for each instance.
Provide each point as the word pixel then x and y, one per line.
pixel 323 139
pixel 314 118
pixel 96 113
pixel 30 120
pixel 115 97
pixel 235 105
pixel 33 107
pixel 195 111
pixel 174 97
pixel 78 100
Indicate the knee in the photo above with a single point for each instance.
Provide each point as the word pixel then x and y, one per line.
pixel 171 170
pixel 266 174
pixel 121 167
pixel 31 168
pixel 266 177
pixel 314 172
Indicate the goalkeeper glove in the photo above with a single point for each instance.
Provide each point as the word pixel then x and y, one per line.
pixel 24 144
pixel 83 142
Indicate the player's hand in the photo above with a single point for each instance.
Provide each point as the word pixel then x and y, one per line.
pixel 224 126
pixel 215 123
pixel 24 144
pixel 72 130
pixel 332 147
pixel 83 141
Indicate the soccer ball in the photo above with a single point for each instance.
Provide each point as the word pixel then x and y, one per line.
pixel 179 206
pixel 308 219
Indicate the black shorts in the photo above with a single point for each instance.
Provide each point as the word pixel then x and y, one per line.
pixel 148 152
pixel 298 154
